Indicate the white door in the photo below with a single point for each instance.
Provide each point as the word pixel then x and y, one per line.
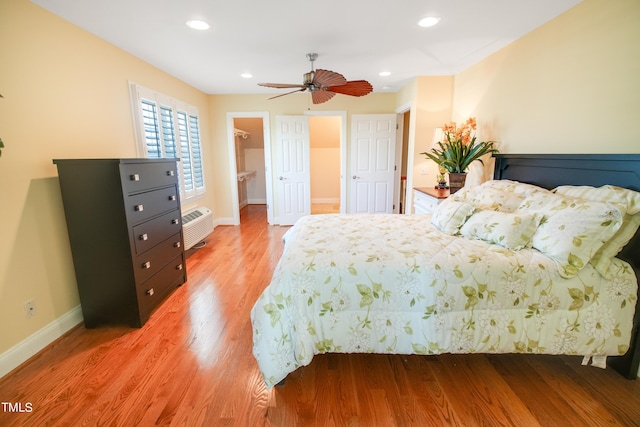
pixel 372 165
pixel 293 182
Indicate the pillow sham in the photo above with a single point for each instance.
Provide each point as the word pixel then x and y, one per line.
pixel 629 199
pixel 497 195
pixel 607 193
pixel 516 187
pixel 488 198
pixel 450 214
pixel 572 230
pixel 510 230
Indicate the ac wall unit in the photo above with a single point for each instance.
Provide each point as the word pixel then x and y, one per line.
pixel 196 225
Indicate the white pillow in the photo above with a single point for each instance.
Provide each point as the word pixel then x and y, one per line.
pixel 489 198
pixel 497 195
pixel 450 215
pixel 510 230
pixel 629 199
pixel 572 230
pixel 515 187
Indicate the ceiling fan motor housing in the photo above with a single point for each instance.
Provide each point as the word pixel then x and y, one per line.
pixel 308 78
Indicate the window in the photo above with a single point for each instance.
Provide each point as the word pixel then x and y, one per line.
pixel 167 128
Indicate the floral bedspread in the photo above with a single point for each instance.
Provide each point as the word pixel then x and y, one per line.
pixel 395 284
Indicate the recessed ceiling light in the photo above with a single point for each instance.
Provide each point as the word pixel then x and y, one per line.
pixel 246 75
pixel 197 24
pixel 384 73
pixel 429 21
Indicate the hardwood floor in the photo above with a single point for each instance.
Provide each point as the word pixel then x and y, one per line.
pixel 191 365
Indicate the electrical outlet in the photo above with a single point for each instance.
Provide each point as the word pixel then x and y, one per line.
pixel 30 308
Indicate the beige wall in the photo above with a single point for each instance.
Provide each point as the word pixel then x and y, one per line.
pixel 66 95
pixel 571 86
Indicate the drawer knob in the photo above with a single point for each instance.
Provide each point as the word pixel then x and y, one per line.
pixel 138 208
pixel 135 177
pixel 177 244
pixel 144 236
pixel 170 173
pixel 175 221
pixel 149 292
pixel 146 265
pixel 179 267
pixel 172 198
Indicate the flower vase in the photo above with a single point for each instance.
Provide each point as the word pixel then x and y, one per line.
pixel 456 181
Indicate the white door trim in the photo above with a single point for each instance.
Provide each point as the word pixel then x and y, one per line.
pixel 411 146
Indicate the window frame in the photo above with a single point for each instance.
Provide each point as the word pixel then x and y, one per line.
pixel 174 126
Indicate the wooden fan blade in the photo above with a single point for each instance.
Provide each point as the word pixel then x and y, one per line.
pixel 288 93
pixel 353 88
pixel 280 85
pixel 326 78
pixel 321 96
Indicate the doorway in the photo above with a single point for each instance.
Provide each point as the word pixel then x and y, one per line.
pixel 402 153
pixel 324 153
pixel 328 148
pixel 249 152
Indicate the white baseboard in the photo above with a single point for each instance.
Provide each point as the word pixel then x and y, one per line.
pixel 222 221
pixel 257 201
pixel 25 349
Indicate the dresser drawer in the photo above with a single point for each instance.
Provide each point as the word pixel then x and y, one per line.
pixel 153 291
pixel 143 176
pixel 150 233
pixel 147 264
pixel 143 206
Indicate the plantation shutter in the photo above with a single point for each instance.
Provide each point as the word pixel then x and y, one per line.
pixel 166 130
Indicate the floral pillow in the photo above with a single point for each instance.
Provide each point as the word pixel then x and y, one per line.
pixel 510 230
pixel 450 215
pixel 497 195
pixel 515 187
pixel 629 200
pixel 572 230
pixel 489 198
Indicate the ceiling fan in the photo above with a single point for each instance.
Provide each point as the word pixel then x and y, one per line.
pixel 324 84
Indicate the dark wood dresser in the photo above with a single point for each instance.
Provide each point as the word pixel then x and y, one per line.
pixel 124 223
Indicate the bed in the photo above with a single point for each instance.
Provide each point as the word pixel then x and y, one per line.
pixel 504 267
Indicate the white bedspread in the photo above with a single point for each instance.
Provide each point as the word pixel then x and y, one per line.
pixel 395 284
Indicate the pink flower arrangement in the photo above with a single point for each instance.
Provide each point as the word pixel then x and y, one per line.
pixel 460 148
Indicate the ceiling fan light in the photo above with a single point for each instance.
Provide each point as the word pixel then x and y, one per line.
pixel 197 24
pixel 429 21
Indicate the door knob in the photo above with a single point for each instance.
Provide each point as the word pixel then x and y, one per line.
pixel 355 177
pixel 281 178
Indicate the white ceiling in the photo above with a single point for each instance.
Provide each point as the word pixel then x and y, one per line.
pixel 270 38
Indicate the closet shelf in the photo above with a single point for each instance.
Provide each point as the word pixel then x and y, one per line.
pixel 246 175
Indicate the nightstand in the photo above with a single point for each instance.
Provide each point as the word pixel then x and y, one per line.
pixel 426 199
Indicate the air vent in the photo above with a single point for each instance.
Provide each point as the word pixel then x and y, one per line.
pixel 197 224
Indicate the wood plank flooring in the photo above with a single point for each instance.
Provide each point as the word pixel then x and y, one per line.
pixel 191 365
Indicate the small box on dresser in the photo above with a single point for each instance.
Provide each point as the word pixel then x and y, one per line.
pixel 124 223
pixel 426 199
